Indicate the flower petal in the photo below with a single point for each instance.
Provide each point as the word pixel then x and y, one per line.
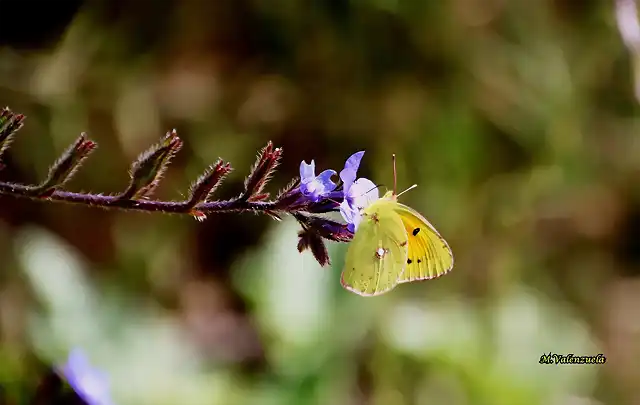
pixel 324 179
pixel 92 385
pixel 351 216
pixel 356 221
pixel 307 171
pixel 77 363
pixel 309 188
pixel 347 212
pixel 353 162
pixel 95 386
pixel 362 193
pixel 348 174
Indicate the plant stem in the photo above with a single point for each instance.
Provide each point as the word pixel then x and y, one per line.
pixel 116 202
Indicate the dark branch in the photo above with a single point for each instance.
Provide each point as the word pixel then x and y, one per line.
pixel 146 173
pixel 116 202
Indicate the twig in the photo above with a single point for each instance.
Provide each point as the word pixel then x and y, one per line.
pixel 146 173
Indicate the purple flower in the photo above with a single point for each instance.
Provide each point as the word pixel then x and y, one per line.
pixel 358 194
pixel 90 384
pixel 315 187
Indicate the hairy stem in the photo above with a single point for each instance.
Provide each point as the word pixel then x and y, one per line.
pixel 116 202
pixel 147 170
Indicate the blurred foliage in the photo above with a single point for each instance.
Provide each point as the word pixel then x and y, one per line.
pixel 516 118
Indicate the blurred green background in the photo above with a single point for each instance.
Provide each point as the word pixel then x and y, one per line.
pixel 516 118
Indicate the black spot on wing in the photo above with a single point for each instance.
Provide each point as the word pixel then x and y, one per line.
pixel 409 261
pixel 415 231
pixel 419 261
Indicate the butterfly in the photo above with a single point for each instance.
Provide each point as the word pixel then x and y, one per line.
pixel 393 244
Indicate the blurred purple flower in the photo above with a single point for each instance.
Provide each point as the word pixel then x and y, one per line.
pixel 90 384
pixel 315 187
pixel 358 194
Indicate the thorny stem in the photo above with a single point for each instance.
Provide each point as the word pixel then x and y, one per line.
pixel 169 207
pixel 146 173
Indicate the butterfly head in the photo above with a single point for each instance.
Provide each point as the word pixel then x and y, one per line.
pixel 390 195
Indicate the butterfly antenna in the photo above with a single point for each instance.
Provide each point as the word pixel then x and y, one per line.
pixel 367 192
pixel 395 178
pixel 378 186
pixel 337 202
pixel 410 188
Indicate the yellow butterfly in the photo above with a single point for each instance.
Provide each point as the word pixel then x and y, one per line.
pixel 393 244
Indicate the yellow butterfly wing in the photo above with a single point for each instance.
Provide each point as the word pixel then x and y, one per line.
pixel 429 254
pixel 377 255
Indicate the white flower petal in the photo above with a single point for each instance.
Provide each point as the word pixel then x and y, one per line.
pixel 362 193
